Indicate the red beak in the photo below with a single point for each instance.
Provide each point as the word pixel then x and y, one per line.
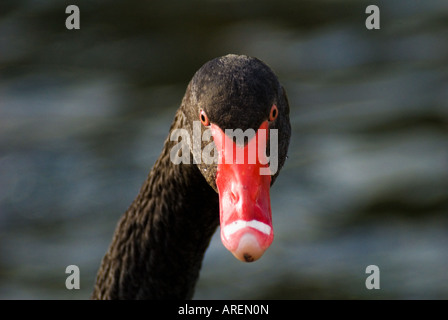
pixel 244 202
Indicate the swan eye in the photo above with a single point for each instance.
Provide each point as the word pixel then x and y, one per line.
pixel 204 119
pixel 274 113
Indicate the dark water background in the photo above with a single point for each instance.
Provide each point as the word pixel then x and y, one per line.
pixel 83 116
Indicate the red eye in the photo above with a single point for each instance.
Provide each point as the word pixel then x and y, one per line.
pixel 203 117
pixel 274 113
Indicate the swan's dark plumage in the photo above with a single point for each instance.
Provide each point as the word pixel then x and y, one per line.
pixel 159 243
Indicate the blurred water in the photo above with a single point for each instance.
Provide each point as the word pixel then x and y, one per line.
pixel 83 116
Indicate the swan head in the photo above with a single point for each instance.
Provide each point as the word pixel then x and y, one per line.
pixel 238 115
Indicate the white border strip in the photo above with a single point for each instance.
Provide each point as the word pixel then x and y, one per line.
pixel 240 224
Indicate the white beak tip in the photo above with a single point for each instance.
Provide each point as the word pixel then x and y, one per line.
pixel 248 249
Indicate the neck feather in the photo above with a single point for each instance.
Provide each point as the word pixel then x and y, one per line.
pixel 159 243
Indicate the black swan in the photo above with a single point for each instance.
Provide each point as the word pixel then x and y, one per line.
pixel 159 243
